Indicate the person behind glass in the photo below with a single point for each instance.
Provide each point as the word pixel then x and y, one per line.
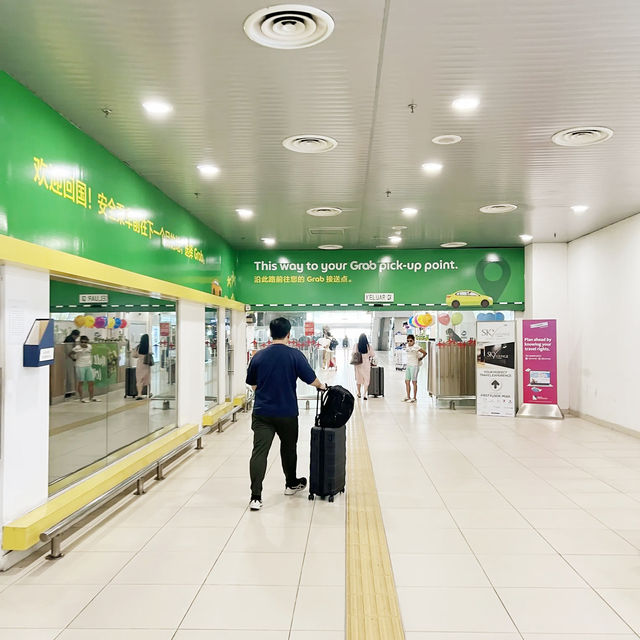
pixel 69 365
pixel 273 373
pixel 143 369
pixel 363 370
pixel 415 355
pixel 81 353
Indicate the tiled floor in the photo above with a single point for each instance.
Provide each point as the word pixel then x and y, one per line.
pixel 498 529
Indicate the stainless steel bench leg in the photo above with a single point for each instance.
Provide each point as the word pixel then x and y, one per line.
pixel 234 417
pixel 219 426
pixel 307 405
pixel 199 443
pixel 55 548
pixel 139 487
pixel 159 472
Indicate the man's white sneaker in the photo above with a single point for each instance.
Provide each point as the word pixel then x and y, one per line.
pixel 301 483
pixel 255 505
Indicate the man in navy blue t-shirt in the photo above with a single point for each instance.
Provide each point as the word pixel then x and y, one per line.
pixel 273 373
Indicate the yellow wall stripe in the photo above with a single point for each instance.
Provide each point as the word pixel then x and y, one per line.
pixel 24 532
pixel 373 611
pixel 65 264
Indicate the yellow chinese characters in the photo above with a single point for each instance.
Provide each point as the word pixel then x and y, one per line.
pixel 70 188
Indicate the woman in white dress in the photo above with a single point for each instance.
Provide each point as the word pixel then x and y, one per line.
pixel 363 370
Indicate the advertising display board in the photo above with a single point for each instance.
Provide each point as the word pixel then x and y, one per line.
pixel 64 191
pixel 437 278
pixel 309 328
pixel 496 369
pixel 539 369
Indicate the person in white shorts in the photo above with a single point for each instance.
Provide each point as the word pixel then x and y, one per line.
pixel 84 372
pixel 415 355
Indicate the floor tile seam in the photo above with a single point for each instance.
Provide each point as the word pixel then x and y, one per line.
pixel 508 613
pixel 362 492
pixel 590 587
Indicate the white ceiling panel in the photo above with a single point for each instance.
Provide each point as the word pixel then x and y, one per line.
pixel 536 67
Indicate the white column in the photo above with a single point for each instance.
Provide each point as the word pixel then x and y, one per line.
pixel 239 337
pixel 191 336
pixel 546 296
pixel 222 357
pixel 24 430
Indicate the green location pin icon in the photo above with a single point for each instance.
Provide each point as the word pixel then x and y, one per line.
pixel 493 273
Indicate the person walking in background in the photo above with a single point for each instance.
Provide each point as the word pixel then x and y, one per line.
pixel 345 342
pixel 363 352
pixel 415 355
pixel 81 353
pixel 273 373
pixel 144 361
pixel 324 345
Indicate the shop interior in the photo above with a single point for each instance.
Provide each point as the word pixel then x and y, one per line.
pixel 100 415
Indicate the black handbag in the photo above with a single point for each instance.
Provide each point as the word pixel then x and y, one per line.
pixel 148 359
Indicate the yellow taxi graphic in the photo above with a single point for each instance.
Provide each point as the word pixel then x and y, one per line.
pixel 468 298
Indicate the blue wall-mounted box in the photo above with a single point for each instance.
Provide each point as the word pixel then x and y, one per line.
pixel 38 349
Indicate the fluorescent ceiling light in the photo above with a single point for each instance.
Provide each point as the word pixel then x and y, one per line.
pixel 525 237
pixel 157 107
pixel 330 247
pixel 409 211
pixel 453 245
pixel 395 239
pixel 432 168
pixel 465 104
pixel 245 214
pixel 208 170
pixel 269 241
pixel 579 208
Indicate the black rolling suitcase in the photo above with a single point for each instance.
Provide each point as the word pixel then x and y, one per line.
pixel 130 388
pixel 328 459
pixel 376 382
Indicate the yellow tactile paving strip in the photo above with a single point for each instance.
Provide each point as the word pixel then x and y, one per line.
pixel 373 611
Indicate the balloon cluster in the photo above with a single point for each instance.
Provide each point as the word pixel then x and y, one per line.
pixel 498 316
pixel 101 322
pixel 421 320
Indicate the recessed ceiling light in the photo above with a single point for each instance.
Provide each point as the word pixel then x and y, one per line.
pixel 395 239
pixel 157 107
pixel 579 208
pixel 449 138
pixel 453 245
pixel 409 211
pixel 245 214
pixel 432 168
pixel 498 208
pixel 283 260
pixel 399 227
pixel 465 104
pixel 269 241
pixel 329 247
pixel 309 143
pixel 525 237
pixel 581 136
pixel 288 26
pixel 208 170
pixel 324 212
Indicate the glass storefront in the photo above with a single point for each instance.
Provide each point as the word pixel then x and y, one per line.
pixel 210 358
pixel 109 391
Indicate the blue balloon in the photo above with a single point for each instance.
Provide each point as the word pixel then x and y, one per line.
pixel 499 316
pixel 117 322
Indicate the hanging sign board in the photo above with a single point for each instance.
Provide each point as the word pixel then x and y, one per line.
pixel 309 328
pixel 93 298
pixel 378 297
pixel 495 369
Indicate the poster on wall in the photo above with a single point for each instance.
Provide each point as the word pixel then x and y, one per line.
pixel 496 369
pixel 539 369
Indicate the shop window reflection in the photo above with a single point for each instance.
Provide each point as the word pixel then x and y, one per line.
pixel 211 359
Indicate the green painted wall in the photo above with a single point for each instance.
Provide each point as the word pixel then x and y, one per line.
pixel 423 277
pixel 61 189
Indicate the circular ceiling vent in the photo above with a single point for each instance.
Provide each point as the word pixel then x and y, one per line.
pixel 498 208
pixel 581 136
pixel 447 139
pixel 453 245
pixel 288 26
pixel 309 144
pixel 324 212
pixel 330 247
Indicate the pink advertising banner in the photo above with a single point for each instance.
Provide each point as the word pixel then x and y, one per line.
pixel 539 368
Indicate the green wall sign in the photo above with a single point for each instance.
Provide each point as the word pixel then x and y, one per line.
pixel 471 277
pixel 62 190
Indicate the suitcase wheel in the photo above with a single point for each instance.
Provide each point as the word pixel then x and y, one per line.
pixel 330 498
pixel 311 496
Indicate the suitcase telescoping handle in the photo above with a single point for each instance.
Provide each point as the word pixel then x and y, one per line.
pixel 318 395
